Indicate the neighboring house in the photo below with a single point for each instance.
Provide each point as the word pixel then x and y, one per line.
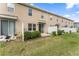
pixel 76 24
pixel 12 15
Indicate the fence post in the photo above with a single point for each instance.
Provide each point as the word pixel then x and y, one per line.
pixel 22 31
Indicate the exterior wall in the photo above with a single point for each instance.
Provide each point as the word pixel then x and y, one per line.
pixel 22 13
pixel 3 8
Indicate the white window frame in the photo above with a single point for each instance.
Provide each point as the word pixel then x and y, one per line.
pixel 32 27
pixel 30 13
pixel 11 5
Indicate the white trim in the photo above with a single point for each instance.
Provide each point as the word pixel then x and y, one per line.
pixel 32 27
pixel 10 5
pixel 7 16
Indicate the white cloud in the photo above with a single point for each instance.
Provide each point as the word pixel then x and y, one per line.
pixel 76 19
pixel 71 5
pixel 73 17
pixel 32 4
pixel 77 12
pixel 67 15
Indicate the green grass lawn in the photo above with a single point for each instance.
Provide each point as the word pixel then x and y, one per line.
pixel 64 45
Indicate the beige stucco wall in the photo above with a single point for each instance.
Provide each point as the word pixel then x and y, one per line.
pixel 22 13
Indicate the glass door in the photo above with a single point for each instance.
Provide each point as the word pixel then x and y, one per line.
pixel 4 27
pixel 7 27
pixel 41 27
pixel 11 28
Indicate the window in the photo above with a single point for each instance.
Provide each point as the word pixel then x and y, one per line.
pixel 57 20
pixel 30 12
pixel 31 27
pixel 50 18
pixel 34 27
pixel 10 7
pixel 62 20
pixel 42 17
pixel 7 27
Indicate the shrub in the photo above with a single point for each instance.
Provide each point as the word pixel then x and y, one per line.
pixel 78 30
pixel 63 32
pixel 31 35
pixel 27 35
pixel 54 33
pixel 35 34
pixel 59 32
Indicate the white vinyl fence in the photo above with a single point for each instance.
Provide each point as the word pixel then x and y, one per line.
pixel 54 28
pixel 69 29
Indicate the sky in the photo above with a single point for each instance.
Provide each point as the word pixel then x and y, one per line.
pixel 69 10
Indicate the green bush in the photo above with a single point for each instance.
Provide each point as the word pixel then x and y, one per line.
pixel 31 35
pixel 63 32
pixel 59 32
pixel 27 35
pixel 78 30
pixel 54 33
pixel 35 34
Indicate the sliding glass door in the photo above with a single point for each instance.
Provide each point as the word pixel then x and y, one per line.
pixel 4 27
pixel 7 27
pixel 11 28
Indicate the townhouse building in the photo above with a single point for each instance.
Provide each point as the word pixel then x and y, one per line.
pixel 12 15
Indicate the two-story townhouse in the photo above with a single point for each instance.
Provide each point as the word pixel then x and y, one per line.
pixel 12 15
